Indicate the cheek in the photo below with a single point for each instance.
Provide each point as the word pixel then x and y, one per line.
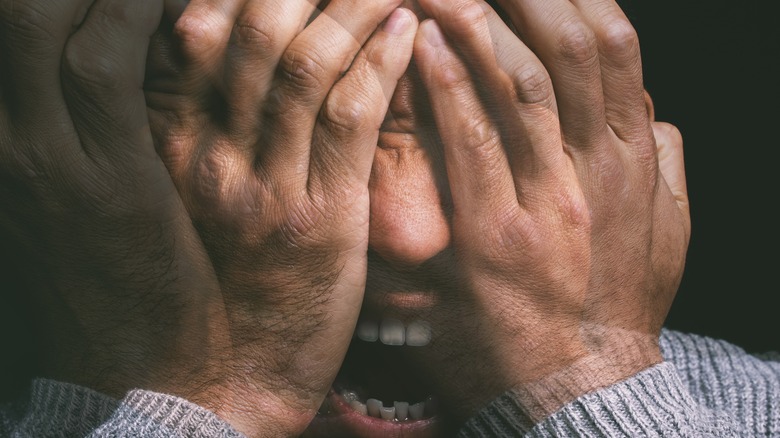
pixel 408 223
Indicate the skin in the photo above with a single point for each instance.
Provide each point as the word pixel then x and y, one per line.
pixel 519 183
pixel 582 244
pixel 134 294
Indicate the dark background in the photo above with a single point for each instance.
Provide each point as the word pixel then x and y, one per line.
pixel 711 69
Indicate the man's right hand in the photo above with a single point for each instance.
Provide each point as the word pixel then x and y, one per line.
pixel 249 312
pixel 268 127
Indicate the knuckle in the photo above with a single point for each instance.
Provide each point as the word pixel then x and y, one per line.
pixel 450 78
pixel 230 211
pixel 619 38
pixel 482 138
pixel 91 68
pixel 257 33
pixel 577 42
pixel 345 113
pixel 302 71
pixel 533 85
pixel 212 189
pixel 196 34
pixel 573 209
pixel 468 15
pixel 378 58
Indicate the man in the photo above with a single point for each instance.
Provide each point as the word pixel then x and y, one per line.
pixel 486 206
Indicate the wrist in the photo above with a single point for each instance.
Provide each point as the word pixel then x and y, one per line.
pixel 257 411
pixel 609 360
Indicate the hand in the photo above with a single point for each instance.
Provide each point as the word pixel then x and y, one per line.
pixel 570 214
pixel 121 282
pixel 268 127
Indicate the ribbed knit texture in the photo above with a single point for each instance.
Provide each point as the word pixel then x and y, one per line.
pixel 705 388
pixel 57 409
pixel 148 414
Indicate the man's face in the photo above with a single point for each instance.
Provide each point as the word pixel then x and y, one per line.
pixel 411 278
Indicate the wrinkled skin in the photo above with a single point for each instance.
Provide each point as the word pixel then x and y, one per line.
pixel 528 193
pixel 570 219
pixel 271 151
pixel 226 278
pixel 90 203
pixel 520 186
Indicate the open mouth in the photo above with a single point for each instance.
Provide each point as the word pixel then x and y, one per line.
pixel 377 392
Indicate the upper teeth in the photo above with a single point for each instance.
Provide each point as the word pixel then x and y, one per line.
pixel 393 332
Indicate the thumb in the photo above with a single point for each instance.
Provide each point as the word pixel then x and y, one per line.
pixel 671 160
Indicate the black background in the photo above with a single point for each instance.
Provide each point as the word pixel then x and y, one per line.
pixel 711 67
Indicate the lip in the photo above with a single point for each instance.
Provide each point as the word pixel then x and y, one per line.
pixel 346 423
pixel 401 301
pixel 417 292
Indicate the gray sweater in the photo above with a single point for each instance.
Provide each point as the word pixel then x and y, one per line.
pixel 705 388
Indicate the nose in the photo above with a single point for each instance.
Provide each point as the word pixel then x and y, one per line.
pixel 409 223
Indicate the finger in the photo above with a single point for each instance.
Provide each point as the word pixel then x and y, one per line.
pixel 514 82
pixel 563 40
pixel 649 106
pixel 477 166
pixel 203 30
pixel 103 73
pixel 671 161
pixel 493 51
pixel 308 69
pixel 621 68
pixel 33 34
pixel 262 32
pixel 348 131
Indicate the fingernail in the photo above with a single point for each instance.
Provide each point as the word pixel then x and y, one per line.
pixel 398 21
pixel 432 33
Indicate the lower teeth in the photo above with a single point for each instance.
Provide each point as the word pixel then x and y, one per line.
pixel 399 411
